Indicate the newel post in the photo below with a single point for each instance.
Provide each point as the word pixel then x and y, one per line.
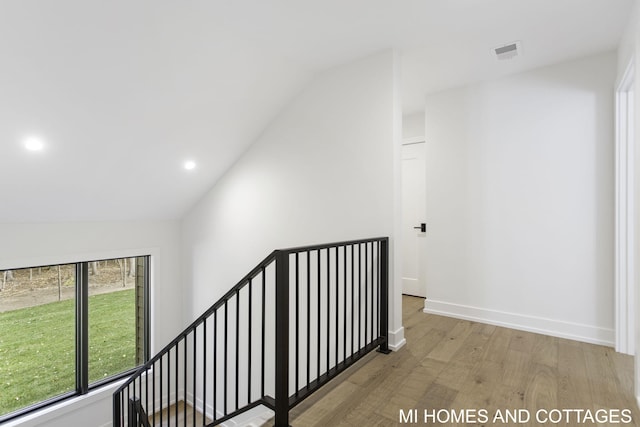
pixel 384 296
pixel 282 340
pixel 117 411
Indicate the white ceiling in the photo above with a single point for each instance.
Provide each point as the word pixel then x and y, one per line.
pixel 124 91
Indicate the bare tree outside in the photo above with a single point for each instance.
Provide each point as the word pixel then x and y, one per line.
pixel 34 286
pixel 132 267
pixel 94 268
pixel 59 284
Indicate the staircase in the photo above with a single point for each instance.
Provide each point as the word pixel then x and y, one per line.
pixel 179 414
pixel 293 323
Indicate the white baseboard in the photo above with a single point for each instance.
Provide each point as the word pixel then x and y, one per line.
pixel 539 325
pixel 396 339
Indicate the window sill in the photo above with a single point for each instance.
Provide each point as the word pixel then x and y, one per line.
pixel 59 410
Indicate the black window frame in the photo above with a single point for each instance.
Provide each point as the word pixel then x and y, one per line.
pixel 83 386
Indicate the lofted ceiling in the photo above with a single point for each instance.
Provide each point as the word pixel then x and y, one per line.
pixel 123 92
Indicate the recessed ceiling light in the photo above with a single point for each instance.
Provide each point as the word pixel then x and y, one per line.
pixel 189 165
pixel 33 143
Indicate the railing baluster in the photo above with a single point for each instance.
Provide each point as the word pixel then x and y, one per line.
pixel 359 296
pixel 215 365
pixel 237 388
pixel 160 397
pixel 177 381
pixel 374 279
pixel 127 400
pixel 140 396
pixel 249 344
pixel 204 374
pixel 297 348
pixel 195 376
pixel 134 397
pixel 168 387
pixel 337 307
pixel 124 406
pixel 374 291
pixel 344 293
pixel 319 317
pixel 193 368
pixel 308 317
pixel 153 392
pixel 263 331
pixel 128 406
pixel 186 385
pixel 353 298
pixel 374 287
pixel 139 381
pixel 328 307
pixel 146 391
pixel 366 293
pixel 225 391
pixel 380 282
pixel 377 303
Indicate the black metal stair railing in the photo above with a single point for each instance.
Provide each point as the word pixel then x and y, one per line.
pixel 298 319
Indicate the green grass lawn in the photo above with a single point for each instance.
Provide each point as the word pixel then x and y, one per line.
pixel 37 347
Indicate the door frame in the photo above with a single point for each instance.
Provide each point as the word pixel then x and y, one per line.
pixel 624 213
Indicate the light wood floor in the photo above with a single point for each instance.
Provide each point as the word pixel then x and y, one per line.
pixel 179 411
pixel 455 364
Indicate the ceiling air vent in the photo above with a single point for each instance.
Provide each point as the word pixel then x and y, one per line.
pixel 507 51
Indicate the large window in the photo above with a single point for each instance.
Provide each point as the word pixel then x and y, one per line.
pixel 65 329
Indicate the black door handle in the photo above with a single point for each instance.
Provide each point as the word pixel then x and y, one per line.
pixel 422 228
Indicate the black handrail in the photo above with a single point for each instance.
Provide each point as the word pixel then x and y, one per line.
pixel 341 289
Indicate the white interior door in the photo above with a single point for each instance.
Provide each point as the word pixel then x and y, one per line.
pixel 413 215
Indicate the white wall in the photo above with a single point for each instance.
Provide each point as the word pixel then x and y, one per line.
pixel 520 200
pixel 322 171
pixel 627 45
pixel 26 245
pixel 413 125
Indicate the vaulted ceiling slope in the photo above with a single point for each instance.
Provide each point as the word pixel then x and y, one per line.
pixel 123 92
